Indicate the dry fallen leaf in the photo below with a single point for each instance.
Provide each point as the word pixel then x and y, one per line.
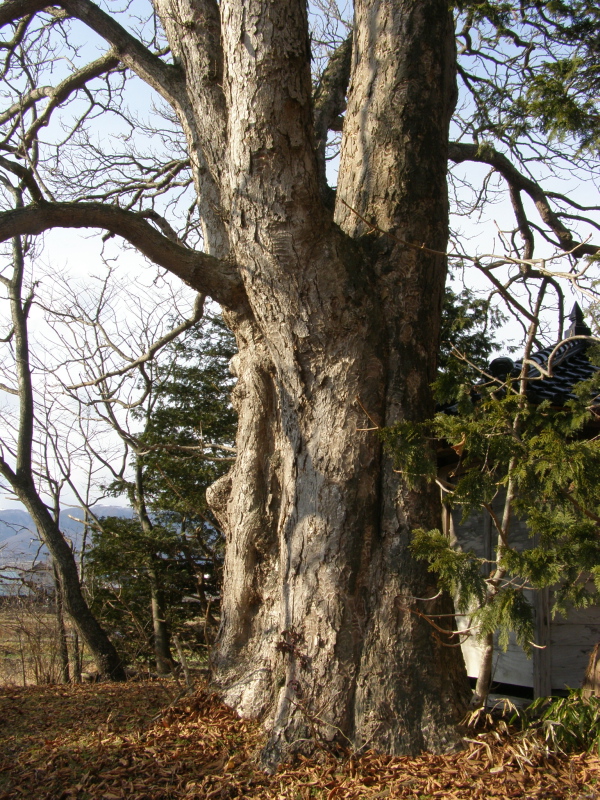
pixel 54 746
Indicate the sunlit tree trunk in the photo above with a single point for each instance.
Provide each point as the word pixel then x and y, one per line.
pixel 320 617
pixel 336 305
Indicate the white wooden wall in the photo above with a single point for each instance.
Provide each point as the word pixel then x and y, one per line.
pixel 569 641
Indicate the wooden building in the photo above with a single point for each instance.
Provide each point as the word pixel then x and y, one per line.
pixel 565 643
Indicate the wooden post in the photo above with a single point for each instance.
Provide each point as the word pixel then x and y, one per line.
pixel 542 658
pixel 591 682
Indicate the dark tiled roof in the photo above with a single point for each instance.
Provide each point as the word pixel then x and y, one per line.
pixel 570 365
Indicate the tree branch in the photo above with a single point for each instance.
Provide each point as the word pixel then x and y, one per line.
pixel 193 29
pixel 330 98
pixel 57 94
pixel 77 80
pixel 461 151
pixel 197 315
pixel 13 10
pixel 25 176
pixel 207 274
pixel 167 79
pixel 522 222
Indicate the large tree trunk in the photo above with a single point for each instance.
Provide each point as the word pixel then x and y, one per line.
pixel 337 316
pixel 321 630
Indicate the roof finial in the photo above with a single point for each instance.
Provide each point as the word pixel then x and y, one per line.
pixel 578 326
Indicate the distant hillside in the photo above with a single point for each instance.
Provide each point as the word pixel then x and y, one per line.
pixel 19 541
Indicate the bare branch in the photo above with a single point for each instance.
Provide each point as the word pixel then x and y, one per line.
pixel 460 151
pixel 13 10
pixel 330 97
pixel 165 78
pixel 503 292
pixel 153 349
pixel 196 450
pixel 207 274
pixel 25 176
pixel 60 93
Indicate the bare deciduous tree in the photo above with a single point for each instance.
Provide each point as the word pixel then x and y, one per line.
pixel 109 368
pixel 17 467
pixel 335 300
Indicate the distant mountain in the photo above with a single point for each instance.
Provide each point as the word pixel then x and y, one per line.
pixel 19 542
pixel 18 539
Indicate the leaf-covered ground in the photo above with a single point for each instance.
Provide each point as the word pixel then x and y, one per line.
pixel 109 741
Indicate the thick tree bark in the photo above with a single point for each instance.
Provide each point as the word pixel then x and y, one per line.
pixel 318 632
pixel 337 320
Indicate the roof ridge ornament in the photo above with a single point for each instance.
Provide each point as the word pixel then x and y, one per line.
pixel 578 326
pixel 570 365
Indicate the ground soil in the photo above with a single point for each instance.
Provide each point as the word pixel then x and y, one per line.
pixel 138 741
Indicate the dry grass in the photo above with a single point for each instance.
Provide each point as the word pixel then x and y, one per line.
pixel 109 741
pixel 29 652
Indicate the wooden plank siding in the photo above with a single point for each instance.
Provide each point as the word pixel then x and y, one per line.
pixel 567 642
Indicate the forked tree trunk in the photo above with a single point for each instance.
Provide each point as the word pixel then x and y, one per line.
pixel 484 677
pixel 337 320
pixel 322 631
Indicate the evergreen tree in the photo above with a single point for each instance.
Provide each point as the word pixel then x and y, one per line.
pixel 556 46
pixel 468 326
pixel 192 418
pixel 541 462
pixel 171 554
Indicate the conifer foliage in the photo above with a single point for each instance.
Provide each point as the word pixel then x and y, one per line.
pixel 180 551
pixel 513 459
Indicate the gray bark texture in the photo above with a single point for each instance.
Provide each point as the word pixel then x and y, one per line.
pixel 319 635
pixel 335 301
